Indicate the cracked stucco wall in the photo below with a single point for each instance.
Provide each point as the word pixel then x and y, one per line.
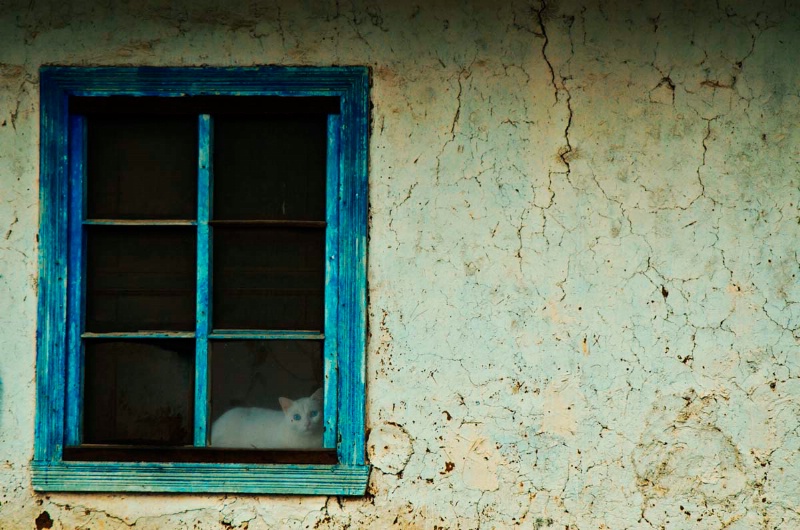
pixel 583 262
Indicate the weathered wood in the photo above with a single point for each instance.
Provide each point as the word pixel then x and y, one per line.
pixel 76 268
pixel 345 284
pixel 255 334
pixel 134 453
pixel 278 223
pixel 332 254
pixel 207 81
pixel 352 323
pixel 52 285
pixel 139 222
pixel 154 334
pixel 292 479
pixel 203 301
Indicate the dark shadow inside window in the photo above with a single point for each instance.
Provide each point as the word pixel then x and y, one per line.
pixel 270 167
pixel 268 278
pixel 141 167
pixel 139 392
pixel 140 278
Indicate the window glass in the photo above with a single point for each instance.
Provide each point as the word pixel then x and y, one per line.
pixel 268 278
pixel 141 167
pixel 282 378
pixel 139 392
pixel 140 278
pixel 270 167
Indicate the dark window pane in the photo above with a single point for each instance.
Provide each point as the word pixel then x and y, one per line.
pixel 139 392
pixel 268 278
pixel 142 167
pixel 256 373
pixel 270 167
pixel 140 278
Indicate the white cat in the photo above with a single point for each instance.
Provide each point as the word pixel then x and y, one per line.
pixel 298 426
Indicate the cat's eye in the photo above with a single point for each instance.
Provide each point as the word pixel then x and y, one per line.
pixel 314 413
pixel 296 417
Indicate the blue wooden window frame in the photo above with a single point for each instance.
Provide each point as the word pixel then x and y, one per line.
pixel 60 254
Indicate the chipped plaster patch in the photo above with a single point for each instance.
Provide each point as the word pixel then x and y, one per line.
pixel 389 448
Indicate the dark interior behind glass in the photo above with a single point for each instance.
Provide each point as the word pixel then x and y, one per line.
pixel 141 167
pixel 139 392
pixel 267 268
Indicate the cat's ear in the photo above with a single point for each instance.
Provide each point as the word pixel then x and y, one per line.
pixel 285 403
pixel 317 396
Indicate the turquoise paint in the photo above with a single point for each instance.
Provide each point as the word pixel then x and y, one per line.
pixel 345 283
pixel 331 367
pixel 125 222
pixel 203 310
pixel 141 335
pixel 51 323
pixel 75 284
pixel 352 273
pixel 202 81
pixel 247 334
pixel 201 478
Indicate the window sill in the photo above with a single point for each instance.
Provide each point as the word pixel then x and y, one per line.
pixel 197 455
pixel 182 477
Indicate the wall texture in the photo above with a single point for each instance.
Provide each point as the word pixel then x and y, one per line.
pixel 583 263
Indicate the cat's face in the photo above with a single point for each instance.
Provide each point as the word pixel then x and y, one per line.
pixel 305 414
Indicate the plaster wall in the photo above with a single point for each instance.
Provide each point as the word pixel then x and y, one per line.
pixel 584 305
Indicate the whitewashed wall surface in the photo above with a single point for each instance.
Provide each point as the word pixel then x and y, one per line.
pixel 584 306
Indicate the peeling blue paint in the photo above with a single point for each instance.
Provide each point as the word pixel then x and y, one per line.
pixel 62 255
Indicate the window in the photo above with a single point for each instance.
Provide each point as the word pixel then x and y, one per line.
pixel 202 247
